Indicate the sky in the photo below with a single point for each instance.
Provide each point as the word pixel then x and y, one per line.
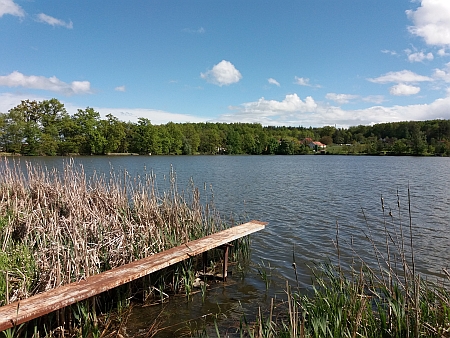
pixel 291 62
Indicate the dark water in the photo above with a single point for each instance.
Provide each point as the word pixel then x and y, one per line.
pixel 305 199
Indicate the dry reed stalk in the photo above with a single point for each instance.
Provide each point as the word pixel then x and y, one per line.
pixel 75 226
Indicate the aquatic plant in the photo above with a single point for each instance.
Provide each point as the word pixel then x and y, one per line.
pixel 58 227
pixel 386 299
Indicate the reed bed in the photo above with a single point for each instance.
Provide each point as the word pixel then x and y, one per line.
pixel 388 298
pixel 58 227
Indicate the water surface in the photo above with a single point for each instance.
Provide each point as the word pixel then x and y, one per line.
pixel 305 199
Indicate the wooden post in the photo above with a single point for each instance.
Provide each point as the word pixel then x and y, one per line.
pixel 225 261
pixel 205 262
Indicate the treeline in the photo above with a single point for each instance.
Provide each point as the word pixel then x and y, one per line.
pixel 45 128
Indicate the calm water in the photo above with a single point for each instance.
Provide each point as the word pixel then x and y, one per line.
pixel 304 198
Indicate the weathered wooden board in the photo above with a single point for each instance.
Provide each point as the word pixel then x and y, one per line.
pixel 52 300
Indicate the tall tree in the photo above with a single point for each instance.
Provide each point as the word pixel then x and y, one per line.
pixel 88 124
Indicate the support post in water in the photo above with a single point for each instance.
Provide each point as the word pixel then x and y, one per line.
pixel 225 248
pixel 205 262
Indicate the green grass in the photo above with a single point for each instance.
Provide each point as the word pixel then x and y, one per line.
pixel 389 299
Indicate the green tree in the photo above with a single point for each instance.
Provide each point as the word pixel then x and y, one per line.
pixel 210 140
pixel 90 137
pixel 191 139
pixel 114 133
pixel 147 138
pixel 418 142
pixel 52 113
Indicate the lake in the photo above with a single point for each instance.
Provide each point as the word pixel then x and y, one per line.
pixel 305 199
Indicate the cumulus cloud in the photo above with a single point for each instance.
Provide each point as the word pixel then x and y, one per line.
pixel 120 89
pixel 404 90
pixel 273 81
pixel 295 112
pixel 17 79
pixel 443 74
pixel 419 56
pixel 341 98
pixel 400 77
pixel 224 73
pixel 431 21
pixel 11 8
pixel 53 21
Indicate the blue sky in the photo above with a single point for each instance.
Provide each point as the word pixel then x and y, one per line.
pixel 303 62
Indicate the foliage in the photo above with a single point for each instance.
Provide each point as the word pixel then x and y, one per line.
pixel 45 128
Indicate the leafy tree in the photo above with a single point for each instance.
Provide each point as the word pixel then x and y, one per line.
pixel 191 139
pixel 91 140
pixel 400 147
pixel 175 138
pixel 327 140
pixel 210 140
pixel 147 140
pixel 418 142
pixel 52 113
pixel 114 133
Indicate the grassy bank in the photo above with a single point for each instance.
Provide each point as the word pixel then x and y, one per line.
pixel 58 227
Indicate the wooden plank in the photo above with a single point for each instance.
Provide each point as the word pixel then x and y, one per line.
pixel 41 304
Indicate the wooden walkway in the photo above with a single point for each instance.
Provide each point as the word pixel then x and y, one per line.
pixel 44 303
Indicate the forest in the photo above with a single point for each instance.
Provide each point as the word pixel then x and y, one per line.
pixel 45 128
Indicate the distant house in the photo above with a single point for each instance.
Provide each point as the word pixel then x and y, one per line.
pixel 307 140
pixel 316 145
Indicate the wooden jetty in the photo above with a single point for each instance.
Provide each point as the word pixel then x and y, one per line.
pixel 44 303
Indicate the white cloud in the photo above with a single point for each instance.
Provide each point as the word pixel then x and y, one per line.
pixel 378 99
pixel 443 74
pixel 400 77
pixel 442 52
pixel 120 89
pixel 431 21
pixel 404 90
pixel 154 115
pixel 11 8
pixel 304 81
pixel 53 21
pixel 274 82
pixel 292 111
pixel 448 92
pixel 419 56
pixel 224 73
pixel 391 52
pixel 341 98
pixel 17 79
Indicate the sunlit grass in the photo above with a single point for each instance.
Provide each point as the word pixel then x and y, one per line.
pixel 389 300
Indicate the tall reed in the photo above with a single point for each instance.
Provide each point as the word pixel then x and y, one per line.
pixel 58 227
pixel 386 299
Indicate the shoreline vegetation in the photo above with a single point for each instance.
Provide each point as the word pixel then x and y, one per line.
pixel 45 128
pixel 386 299
pixel 58 227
